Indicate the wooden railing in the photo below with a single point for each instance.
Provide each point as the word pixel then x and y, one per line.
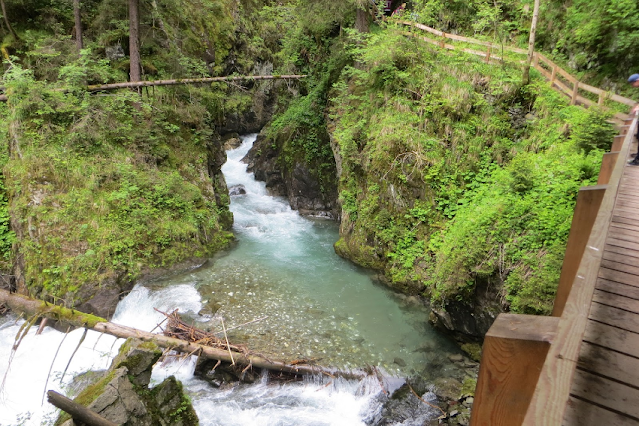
pixel 558 77
pixel 528 362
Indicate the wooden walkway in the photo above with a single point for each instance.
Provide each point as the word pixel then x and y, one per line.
pixel 579 366
pixel 605 386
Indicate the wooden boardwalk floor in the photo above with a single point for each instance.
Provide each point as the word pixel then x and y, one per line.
pixel 605 388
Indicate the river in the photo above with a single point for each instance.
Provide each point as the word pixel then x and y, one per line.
pixel 308 303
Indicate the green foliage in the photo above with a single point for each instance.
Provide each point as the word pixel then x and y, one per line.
pixel 107 187
pixel 453 175
pixel 593 130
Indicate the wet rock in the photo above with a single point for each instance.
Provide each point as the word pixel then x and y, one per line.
pixel 399 362
pixel 123 397
pixel 403 407
pixel 296 180
pixel 114 53
pixel 470 319
pixel 448 388
pixel 237 190
pixel 455 358
pixel 231 141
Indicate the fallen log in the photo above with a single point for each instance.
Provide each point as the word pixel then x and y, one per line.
pixel 76 411
pixel 173 82
pixel 19 303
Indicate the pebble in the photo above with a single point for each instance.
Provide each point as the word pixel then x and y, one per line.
pixel 454 413
pixel 455 358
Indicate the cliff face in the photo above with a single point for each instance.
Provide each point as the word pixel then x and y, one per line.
pixel 291 177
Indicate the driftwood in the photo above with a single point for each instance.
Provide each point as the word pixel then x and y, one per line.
pixel 136 84
pixel 19 303
pixel 77 411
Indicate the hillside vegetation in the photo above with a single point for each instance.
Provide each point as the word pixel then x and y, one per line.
pixel 455 181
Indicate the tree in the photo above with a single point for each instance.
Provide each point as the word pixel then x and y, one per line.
pixel 134 40
pixel 6 20
pixel 78 24
pixel 531 43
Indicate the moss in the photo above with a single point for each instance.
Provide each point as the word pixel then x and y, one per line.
pixel 468 387
pixel 71 316
pixel 473 350
pixel 88 395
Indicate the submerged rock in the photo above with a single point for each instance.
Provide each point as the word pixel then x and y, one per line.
pixel 237 190
pixel 122 395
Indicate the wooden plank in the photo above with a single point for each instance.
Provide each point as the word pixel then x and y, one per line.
pixel 618 276
pixel 607 393
pixel 631 269
pixel 621 243
pixel 583 413
pixel 607 164
pixel 622 100
pixel 624 234
pixel 586 209
pixel 614 338
pixel 623 251
pixel 548 404
pixel 614 316
pixel 627 201
pixel 626 290
pixel 610 364
pixel 616 301
pixel 627 226
pixel 621 219
pixel 619 258
pixel 513 354
pixel 627 212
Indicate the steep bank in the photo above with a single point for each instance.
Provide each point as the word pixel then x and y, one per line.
pixel 457 182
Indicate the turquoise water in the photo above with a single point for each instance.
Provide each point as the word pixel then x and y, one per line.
pixel 317 304
pixel 309 304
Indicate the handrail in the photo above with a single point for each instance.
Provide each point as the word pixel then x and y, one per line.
pixel 572 89
pixel 550 398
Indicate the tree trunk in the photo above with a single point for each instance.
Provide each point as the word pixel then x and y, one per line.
pixel 134 40
pixel 78 24
pixel 361 20
pixel 6 20
pixel 135 84
pixel 78 412
pixel 531 43
pixel 19 303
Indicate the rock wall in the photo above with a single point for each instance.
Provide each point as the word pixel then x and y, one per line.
pixel 295 179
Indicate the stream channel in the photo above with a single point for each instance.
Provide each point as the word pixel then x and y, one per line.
pixel 283 267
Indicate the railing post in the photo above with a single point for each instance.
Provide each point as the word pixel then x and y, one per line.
pixel 616 143
pixel 607 165
pixel 575 92
pixel 602 98
pixel 488 55
pixel 553 75
pixel 588 202
pixel 513 354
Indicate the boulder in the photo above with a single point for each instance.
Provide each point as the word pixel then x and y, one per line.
pixel 237 190
pixel 122 395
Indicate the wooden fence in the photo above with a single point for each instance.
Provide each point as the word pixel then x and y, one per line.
pixel 559 78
